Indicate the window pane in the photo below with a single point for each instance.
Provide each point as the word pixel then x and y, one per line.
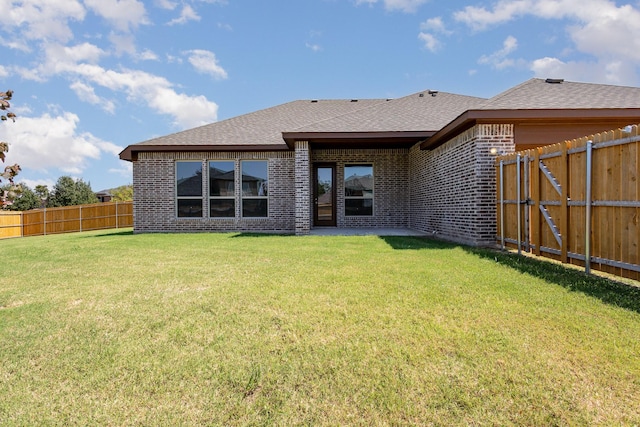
pixel 190 207
pixel 222 208
pixel 254 178
pixel 221 179
pixel 189 178
pixel 358 207
pixel 254 208
pixel 358 181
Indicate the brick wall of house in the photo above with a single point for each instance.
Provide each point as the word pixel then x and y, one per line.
pixel 453 188
pixel 303 195
pixel 155 203
pixel 391 183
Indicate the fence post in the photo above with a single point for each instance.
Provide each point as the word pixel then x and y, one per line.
pixel 587 243
pixel 80 207
pixel 116 214
pixel 44 220
pixel 502 204
pixel 519 200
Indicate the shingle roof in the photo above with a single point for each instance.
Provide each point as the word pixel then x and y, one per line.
pixel 422 111
pixel 414 117
pixel 537 94
pixel 263 127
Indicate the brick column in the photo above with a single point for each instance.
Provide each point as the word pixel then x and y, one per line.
pixel 491 140
pixel 303 188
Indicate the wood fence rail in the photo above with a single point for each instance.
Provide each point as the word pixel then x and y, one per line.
pixel 70 219
pixel 577 202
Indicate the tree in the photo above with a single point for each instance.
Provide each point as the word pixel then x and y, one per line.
pixel 24 200
pixel 42 191
pixel 70 192
pixel 11 191
pixel 124 193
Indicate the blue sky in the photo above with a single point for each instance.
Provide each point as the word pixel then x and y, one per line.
pixel 93 76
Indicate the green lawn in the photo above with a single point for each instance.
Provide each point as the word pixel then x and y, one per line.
pixel 111 328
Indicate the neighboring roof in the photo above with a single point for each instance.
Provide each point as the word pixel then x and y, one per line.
pixel 546 101
pixel 260 130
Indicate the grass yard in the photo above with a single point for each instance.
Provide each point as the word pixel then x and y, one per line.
pixel 111 328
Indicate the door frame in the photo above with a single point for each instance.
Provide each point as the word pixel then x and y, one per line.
pixel 334 210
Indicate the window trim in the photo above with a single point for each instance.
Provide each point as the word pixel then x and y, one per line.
pixel 373 189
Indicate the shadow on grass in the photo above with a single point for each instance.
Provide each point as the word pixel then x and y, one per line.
pixel 416 243
pixel 255 234
pixel 606 290
pixel 110 233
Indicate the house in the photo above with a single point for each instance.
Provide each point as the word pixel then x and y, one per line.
pixel 104 196
pixel 424 161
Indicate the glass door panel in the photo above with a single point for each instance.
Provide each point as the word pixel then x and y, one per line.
pixel 324 195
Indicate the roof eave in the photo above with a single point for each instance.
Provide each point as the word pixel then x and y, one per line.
pixel 130 153
pixel 471 117
pixel 385 137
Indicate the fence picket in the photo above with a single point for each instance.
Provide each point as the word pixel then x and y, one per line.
pixel 602 235
pixel 38 222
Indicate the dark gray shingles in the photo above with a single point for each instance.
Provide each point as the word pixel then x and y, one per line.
pixel 263 127
pixel 537 94
pixel 417 112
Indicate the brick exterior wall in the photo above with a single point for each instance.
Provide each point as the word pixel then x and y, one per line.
pixel 154 206
pixel 303 188
pixel 448 192
pixel 453 187
pixel 390 187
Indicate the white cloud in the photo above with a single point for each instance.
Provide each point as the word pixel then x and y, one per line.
pixel 139 86
pixel 616 72
pixel 436 25
pixel 187 14
pixel 122 14
pixel 147 55
pixel 499 58
pixel 609 33
pixel 166 4
pixel 408 6
pixel 206 62
pixel 32 183
pixel 53 142
pixel 86 93
pixel 430 41
pixel 39 20
pixel 3 71
pixel 313 46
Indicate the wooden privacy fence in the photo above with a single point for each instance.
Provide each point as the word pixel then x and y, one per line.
pixel 576 202
pixel 68 219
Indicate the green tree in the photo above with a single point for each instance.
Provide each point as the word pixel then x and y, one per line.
pixel 10 191
pixel 124 193
pixel 70 192
pixel 24 200
pixel 42 191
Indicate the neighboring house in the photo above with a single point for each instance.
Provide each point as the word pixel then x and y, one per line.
pixel 424 161
pixel 104 196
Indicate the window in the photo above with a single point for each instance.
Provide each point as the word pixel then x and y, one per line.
pixel 222 194
pixel 189 189
pixel 254 189
pixel 358 190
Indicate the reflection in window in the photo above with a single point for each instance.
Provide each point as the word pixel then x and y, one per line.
pixel 255 188
pixel 189 189
pixel 222 193
pixel 358 190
